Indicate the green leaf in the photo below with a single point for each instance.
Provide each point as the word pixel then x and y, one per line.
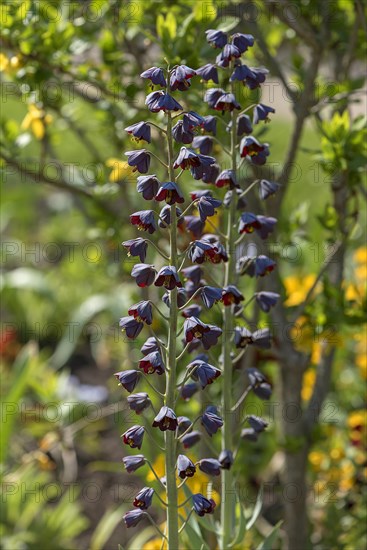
pixel 267 544
pixel 231 23
pixel 257 508
pixel 106 527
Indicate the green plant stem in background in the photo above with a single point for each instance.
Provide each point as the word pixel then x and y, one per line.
pixel 228 497
pixel 172 511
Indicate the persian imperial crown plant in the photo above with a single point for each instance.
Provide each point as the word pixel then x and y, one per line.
pixel 188 272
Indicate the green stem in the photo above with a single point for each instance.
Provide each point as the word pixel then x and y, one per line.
pixel 171 487
pixel 228 499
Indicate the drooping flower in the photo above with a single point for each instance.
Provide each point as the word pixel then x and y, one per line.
pixel 165 217
pixel 144 498
pixel 261 112
pixel 216 38
pixel 244 125
pixel 170 192
pixel 250 147
pixel 203 372
pixel 144 220
pixel 138 402
pixel 267 188
pixel 194 328
pixel 267 225
pixel 188 390
pixel 183 424
pixel 248 222
pixel 134 437
pixel 180 78
pixel 155 75
pixel 242 337
pixel 211 421
pixel 256 77
pixel 149 346
pixel 257 423
pixel 229 52
pixel 242 73
pixel 259 383
pixel 207 206
pixel 242 41
pixel 192 120
pixel 140 131
pixel 131 326
pixel 144 274
pixel 136 247
pixel 128 379
pixel 195 225
pixel 168 277
pixel 166 419
pixel 148 186
pixel 160 101
pixel 181 297
pixel 226 459
pixel 202 505
pixel 226 102
pixel 211 295
pixel 208 72
pixel 263 265
pixel 190 439
pixel 142 311
pixel 212 95
pixel 203 143
pixel 181 135
pixel 241 202
pixel 139 160
pixel 193 273
pixel 226 177
pixel 133 463
pixel 210 466
pixel 266 300
pixel 133 517
pixel 189 158
pixel 185 467
pixel 250 434
pixel 231 295
pixel 203 250
pixel 261 338
pixel 210 338
pixel 152 363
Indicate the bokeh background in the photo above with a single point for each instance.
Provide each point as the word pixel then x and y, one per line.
pixel 70 85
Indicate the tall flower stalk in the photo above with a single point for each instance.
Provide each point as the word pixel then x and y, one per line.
pixel 187 283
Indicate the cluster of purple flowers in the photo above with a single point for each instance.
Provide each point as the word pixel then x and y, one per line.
pixel 188 284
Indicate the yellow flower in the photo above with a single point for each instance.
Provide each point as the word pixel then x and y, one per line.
pixel 360 255
pixel 36 120
pixel 357 418
pixel 120 169
pixel 309 378
pixel 316 458
pixel 297 288
pixel 155 544
pixel 361 362
pixel 4 62
pixel 336 453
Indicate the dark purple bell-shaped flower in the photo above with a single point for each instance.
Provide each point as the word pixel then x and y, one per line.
pixel 192 120
pixel 241 202
pixel 210 124
pixel 242 73
pixel 144 220
pixel 250 147
pixel 188 158
pixel 165 217
pixel 266 300
pixel 181 135
pixel 138 402
pixel 207 206
pixel 250 434
pixel 202 250
pixel 152 363
pixel 140 131
pixel 184 423
pixel 144 274
pixel 227 102
pixel 263 265
pixel 267 225
pixel 128 379
pixel 133 517
pixel 261 112
pixel 170 192
pixel 194 328
pixel 262 338
pixel 210 466
pixel 229 52
pixel 131 326
pixel 139 160
pixel 267 188
pixel 256 77
pixel 242 41
pixel 202 505
pixel 136 247
pixel 204 373
pixel 208 72
pixel 155 75
pixel 193 310
pixel 180 78
pixel 144 498
pixel 203 143
pixel 211 421
pixel 231 295
pixel 211 295
pixel 248 222
pixel 197 194
pixel 181 297
pixel 148 186
pixel 212 95
pixel 142 311
pixel 244 125
pixel 216 38
pixel 242 337
pixel 226 459
pixel 190 439
pixel 167 276
pixel 257 423
pixel 210 338
pixel 134 437
pixel 165 420
pixel 259 383
pixel 193 273
pixel 160 101
pixel 185 467
pixel 149 346
pixel 226 177
pixel 133 463
pixel 188 390
pixel 195 226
